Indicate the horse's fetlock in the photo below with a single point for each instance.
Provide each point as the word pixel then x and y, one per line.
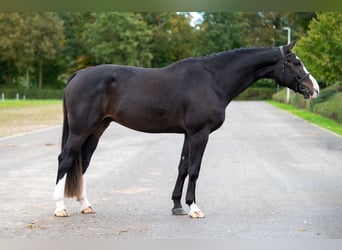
pixel 189 202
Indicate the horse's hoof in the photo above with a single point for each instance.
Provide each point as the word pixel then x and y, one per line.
pixel 179 211
pixel 195 212
pixel 196 215
pixel 61 213
pixel 88 210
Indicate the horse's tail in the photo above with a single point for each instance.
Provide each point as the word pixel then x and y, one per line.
pixel 65 132
pixel 73 182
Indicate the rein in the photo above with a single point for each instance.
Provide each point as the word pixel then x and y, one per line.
pixel 286 63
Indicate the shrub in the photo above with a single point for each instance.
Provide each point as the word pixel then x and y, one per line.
pixel 281 95
pixel 331 108
pixel 326 93
pixel 256 93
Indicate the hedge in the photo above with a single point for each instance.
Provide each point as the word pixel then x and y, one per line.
pixel 31 94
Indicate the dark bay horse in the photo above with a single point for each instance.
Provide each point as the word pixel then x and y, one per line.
pixel 188 97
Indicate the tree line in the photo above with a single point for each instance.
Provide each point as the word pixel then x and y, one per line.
pixel 41 49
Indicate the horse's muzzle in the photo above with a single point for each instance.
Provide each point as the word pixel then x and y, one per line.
pixel 309 88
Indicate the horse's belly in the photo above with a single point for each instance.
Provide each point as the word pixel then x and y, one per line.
pixel 155 121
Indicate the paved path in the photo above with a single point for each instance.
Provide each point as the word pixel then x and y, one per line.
pixel 265 174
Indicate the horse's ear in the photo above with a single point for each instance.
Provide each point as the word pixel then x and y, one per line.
pixel 290 46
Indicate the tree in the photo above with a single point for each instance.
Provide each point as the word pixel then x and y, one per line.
pixel 299 22
pixel 264 28
pixel 121 38
pixel 172 37
pixel 8 67
pixel 75 54
pixel 29 38
pixel 321 49
pixel 47 38
pixel 14 45
pixel 220 31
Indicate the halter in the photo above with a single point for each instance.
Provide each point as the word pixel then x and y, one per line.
pixel 286 63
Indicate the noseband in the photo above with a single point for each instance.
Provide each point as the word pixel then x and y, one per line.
pixel 299 80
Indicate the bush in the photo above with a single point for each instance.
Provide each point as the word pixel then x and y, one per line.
pixel 299 101
pixel 332 108
pixel 256 93
pixel 281 95
pixel 326 93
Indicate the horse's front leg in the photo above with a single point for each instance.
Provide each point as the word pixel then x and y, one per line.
pixel 197 144
pixel 182 174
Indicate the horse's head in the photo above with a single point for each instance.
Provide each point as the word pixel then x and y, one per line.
pixel 290 72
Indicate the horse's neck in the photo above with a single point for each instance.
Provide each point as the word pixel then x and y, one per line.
pixel 235 72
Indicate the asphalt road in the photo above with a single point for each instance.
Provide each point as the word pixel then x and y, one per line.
pixel 265 174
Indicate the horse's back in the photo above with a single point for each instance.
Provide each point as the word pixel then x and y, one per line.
pixel 139 98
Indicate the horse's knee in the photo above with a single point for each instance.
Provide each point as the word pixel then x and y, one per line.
pixel 182 172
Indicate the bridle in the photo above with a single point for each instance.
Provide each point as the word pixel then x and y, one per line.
pixel 298 79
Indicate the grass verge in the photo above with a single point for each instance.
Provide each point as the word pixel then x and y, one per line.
pixel 24 116
pixel 319 120
pixel 27 103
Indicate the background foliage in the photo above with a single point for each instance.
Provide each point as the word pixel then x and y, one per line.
pixel 322 47
pixel 41 49
pixel 27 41
pixel 122 38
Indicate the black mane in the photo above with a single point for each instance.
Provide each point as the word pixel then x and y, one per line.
pixel 223 54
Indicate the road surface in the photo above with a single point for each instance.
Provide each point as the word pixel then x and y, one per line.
pixel 265 174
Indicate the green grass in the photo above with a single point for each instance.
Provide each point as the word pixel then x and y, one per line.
pixel 319 120
pixel 27 103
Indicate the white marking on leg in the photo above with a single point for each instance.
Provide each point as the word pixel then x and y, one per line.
pixel 58 196
pixel 195 212
pixel 86 207
pixel 194 208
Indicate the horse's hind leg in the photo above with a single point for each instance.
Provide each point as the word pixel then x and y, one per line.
pixel 58 196
pixel 69 162
pixel 88 149
pixel 86 207
pixel 182 173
